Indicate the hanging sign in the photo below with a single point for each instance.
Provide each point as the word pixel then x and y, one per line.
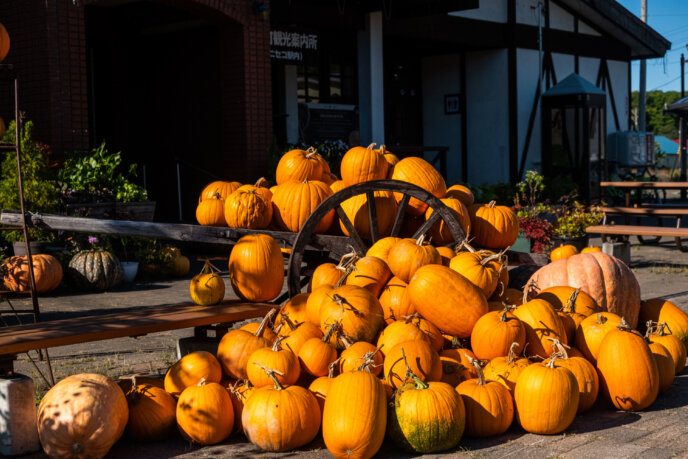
pixel 294 47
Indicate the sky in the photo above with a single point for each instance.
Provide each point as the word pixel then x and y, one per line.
pixel 670 19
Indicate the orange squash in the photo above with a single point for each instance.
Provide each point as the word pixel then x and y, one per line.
pixel 495 332
pixel 492 226
pixel 211 212
pixel 299 165
pixel 370 273
pixel 236 346
pixel 462 193
pixel 659 310
pixel 541 322
pixel 407 255
pixel 416 355
pixel 190 369
pixel 591 332
pixel 256 268
pixel 218 190
pixel 358 311
pixel 248 209
pixel 47 272
pixel 361 164
pixel 205 414
pixel 294 202
pixel 152 412
pixel 563 251
pixel 440 232
pixel 421 173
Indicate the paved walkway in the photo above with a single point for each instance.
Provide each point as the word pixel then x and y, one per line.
pixel 660 431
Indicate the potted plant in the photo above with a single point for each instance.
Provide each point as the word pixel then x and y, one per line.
pixel 152 259
pixel 131 267
pixel 536 231
pixel 572 218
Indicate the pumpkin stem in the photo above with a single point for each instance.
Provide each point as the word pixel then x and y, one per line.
pixel 623 326
pixel 601 319
pixel 552 359
pixel 511 356
pixel 494 256
pixel 201 382
pixel 559 348
pixel 311 151
pixel 420 239
pixel 271 374
pixel 216 195
pixel 330 331
pixel 383 149
pixel 331 367
pixel 478 369
pixel 371 146
pixel 491 204
pixel 651 329
pixel 268 317
pixel 571 303
pixel 346 341
pixel 661 326
pixel 277 345
pixel 369 359
pixel 347 264
pixel 465 244
pixel 420 384
pixel 503 317
pixel 261 182
pixel 526 291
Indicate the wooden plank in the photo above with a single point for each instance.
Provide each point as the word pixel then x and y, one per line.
pixel 646 211
pixel 526 259
pixel 637 230
pixel 666 185
pixel 15 340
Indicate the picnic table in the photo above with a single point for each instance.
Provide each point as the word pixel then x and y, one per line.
pixel 628 187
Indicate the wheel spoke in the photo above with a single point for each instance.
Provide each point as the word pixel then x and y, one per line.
pixel 427 225
pixel 372 216
pixel 396 228
pixel 360 247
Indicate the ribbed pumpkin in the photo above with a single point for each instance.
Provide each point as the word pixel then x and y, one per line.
pixel 211 212
pixel 629 377
pixel 294 202
pixel 395 303
pixel 541 322
pixel 260 187
pixel 358 311
pixel 298 335
pixel 382 247
pixel 152 412
pixel 440 232
pixel 218 190
pixel 605 278
pixel 659 310
pixel 506 370
pixel 95 270
pixel 563 251
pixel 256 268
pixel 675 346
pixel 282 361
pixel 462 193
pixel 665 365
pixel 337 185
pixel 325 274
pixel 4 42
pixel 483 272
pixel 360 354
pixel 398 332
pixel 299 165
pixel 190 369
pixel 296 309
pixel 489 405
pixel 492 226
pixel 355 415
pixel 561 298
pixel 447 299
pixel 248 209
pixel 591 332
pixel 426 417
pixel 495 332
pixel 370 273
pixel 585 374
pixel 361 164
pixel 82 416
pixel 47 273
pixel 205 414
pixel 356 208
pixel 407 255
pixel 421 173
pixel 207 287
pixel 316 355
pixel 421 358
pixel 315 300
pixel 236 346
pixel 547 398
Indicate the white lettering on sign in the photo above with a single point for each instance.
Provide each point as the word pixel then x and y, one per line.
pixel 293 40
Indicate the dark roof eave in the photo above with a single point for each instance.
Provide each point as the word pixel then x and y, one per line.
pixel 644 41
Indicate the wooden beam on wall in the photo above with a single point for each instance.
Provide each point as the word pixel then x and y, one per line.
pixel 513 95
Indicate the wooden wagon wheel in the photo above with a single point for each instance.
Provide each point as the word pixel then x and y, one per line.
pixel 440 211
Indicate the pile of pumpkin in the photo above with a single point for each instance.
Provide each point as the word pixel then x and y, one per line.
pixel 304 181
pixel 395 342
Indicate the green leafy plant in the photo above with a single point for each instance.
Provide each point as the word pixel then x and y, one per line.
pixel 150 252
pixel 97 175
pixel 573 218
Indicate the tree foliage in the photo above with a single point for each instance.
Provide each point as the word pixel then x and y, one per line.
pixel 657 122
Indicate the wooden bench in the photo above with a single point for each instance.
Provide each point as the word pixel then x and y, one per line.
pixel 141 321
pixel 630 230
pixel 659 211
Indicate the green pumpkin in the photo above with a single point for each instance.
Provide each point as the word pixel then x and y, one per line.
pixel 95 270
pixel 426 417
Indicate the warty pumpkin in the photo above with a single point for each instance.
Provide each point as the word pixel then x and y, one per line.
pixel 355 415
pixel 299 165
pixel 584 372
pixel 207 287
pixel 370 273
pixel 592 330
pixel 447 299
pixel 358 311
pixel 394 300
pixel 256 268
pixel 417 355
pixel 260 187
pixel 462 193
pixel 407 255
pixel 495 332
pixel 236 346
pixel 419 172
pixel 659 310
pixel 439 233
pixel 248 209
pixel 541 322
pixel 361 356
pixel 218 190
pixel 190 369
pixel 282 361
pixel 506 370
pixel 205 414
pixel 493 226
pixel 563 251
pixel 47 273
pixel 628 373
pixel 605 278
pixel 356 208
pixel 152 412
pixel 546 397
pixel 426 417
pixel 82 416
pixel 662 335
pixel 294 202
pixel 489 405
pixel 361 164
pixel 95 270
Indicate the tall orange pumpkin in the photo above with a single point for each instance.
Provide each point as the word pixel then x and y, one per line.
pixel 585 374
pixel 256 268
pixel 492 226
pixel 294 202
pixel 299 165
pixel 47 273
pixel 361 164
pixel 421 173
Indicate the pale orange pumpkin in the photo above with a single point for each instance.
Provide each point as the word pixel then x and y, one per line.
pixel 492 226
pixel 294 202
pixel 361 164
pixel 256 268
pixel 421 173
pixel 299 165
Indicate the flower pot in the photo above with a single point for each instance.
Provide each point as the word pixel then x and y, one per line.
pixel 130 270
pixel 36 248
pixel 579 243
pixel 522 244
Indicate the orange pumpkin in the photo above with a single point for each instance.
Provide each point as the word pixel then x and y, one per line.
pixel 462 193
pixel 398 332
pixel 260 187
pixel 316 355
pixel 268 332
pixel 665 365
pixel 370 273
pixel 218 190
pixel 296 309
pixel 361 164
pixel 283 362
pixel 321 386
pixel 416 355
pixel 394 300
pixel 591 332
pixel 325 274
pixel 4 42
pixel 495 332
pixel 358 311
pixel 483 272
pixel 569 300
pixel 238 393
pixel 361 356
pixel 585 374
pixel 660 310
pixel 299 165
pixel 205 414
pixel 662 335
pixel 541 323
pixel 407 255
pixel 190 369
pixel 315 300
pixel 256 268
pixel 440 232
pixel 248 209
pixel 356 208
pixel 563 251
pixel 294 202
pixel 492 226
pixel 463 356
pixel 211 212
pixel 392 160
pixel 382 247
pixel 591 249
pixel 236 346
pixel 446 254
pixel 506 370
pixel 421 173
pixel 47 273
pixel 296 336
pixel 152 412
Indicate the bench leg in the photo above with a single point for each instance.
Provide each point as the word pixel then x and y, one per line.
pixel 18 430
pixel 680 246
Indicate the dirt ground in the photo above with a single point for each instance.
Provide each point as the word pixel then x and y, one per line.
pixel 660 431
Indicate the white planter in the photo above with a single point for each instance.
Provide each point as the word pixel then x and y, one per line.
pixel 130 270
